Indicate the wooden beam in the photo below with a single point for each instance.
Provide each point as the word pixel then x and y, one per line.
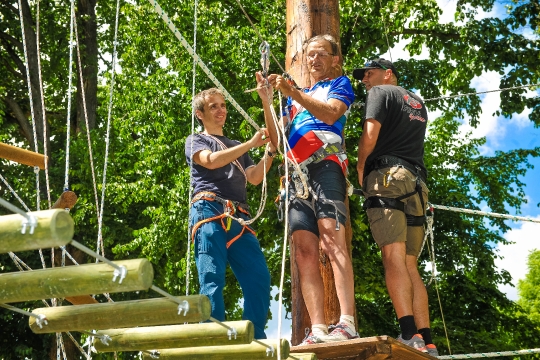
pixel 66 201
pixel 74 281
pixel 175 336
pixel 253 351
pixel 302 356
pixel 22 156
pixel 54 228
pixel 370 348
pixel 146 312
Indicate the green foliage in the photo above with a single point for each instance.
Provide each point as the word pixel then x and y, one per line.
pixel 529 289
pixel 147 187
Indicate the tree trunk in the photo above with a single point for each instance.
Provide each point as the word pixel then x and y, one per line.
pixel 87 30
pixel 305 19
pixel 31 51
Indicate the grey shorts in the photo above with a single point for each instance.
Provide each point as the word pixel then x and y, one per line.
pixel 328 182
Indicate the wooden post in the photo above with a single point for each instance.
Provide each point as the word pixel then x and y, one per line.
pixel 175 336
pixel 146 312
pixel 66 201
pixel 54 228
pixel 305 19
pixel 74 281
pixel 22 156
pixel 253 351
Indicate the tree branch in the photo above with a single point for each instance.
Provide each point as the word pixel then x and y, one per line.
pixel 21 118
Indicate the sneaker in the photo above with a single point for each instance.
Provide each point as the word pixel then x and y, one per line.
pixel 340 332
pixel 310 339
pixel 416 342
pixel 432 350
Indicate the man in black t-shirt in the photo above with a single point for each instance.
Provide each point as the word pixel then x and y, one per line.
pixel 392 174
pixel 220 170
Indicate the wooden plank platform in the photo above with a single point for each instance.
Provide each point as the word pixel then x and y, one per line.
pixel 370 348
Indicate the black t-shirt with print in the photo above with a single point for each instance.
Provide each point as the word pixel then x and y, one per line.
pixel 227 182
pixel 403 118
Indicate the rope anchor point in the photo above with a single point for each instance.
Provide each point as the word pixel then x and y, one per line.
pixel 119 272
pixel 183 306
pixel 231 332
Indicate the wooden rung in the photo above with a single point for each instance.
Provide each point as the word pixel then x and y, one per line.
pixel 66 201
pixel 175 336
pixel 85 279
pixel 124 314
pixel 81 300
pixel 302 356
pixel 376 347
pixel 253 351
pixel 22 156
pixel 54 228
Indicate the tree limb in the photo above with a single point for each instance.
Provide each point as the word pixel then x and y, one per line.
pixel 21 118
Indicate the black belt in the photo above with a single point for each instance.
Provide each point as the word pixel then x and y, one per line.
pixel 389 161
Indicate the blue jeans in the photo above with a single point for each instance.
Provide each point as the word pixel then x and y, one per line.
pixel 245 257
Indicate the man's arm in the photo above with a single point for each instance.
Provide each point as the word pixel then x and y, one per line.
pixel 366 144
pixel 214 160
pixel 266 93
pixel 327 112
pixel 255 174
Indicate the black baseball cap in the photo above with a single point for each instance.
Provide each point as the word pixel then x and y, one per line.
pixel 379 63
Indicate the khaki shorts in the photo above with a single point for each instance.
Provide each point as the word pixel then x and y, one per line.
pixel 389 226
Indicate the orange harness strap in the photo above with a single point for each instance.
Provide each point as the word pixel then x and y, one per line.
pixel 206 195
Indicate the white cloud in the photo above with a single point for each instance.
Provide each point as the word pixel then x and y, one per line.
pixel 524 238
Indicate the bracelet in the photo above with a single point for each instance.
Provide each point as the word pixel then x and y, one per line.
pixel 270 154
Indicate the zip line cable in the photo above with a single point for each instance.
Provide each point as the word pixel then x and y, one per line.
pixel 259 34
pixel 190 192
pixel 159 10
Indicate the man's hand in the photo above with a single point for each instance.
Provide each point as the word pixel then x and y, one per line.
pixel 260 138
pixel 281 84
pixel 360 171
pixel 264 89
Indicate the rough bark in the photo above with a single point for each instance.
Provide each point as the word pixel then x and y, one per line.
pixel 305 19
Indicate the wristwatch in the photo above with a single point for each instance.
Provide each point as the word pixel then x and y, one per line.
pixel 270 154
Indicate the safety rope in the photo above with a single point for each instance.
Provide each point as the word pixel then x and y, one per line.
pixel 40 80
pixel 70 78
pixel 190 190
pixel 483 213
pixel 490 354
pixel 196 57
pixel 31 102
pixel 385 31
pixel 282 135
pixel 108 136
pixel 83 95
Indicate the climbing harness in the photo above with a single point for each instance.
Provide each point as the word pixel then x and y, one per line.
pixel 229 209
pixel 395 203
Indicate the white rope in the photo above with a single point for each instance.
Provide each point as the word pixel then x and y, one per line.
pixel 483 213
pixel 385 31
pixel 107 136
pixel 190 191
pixel 40 80
pixel 30 98
pixel 196 57
pixel 83 95
pixel 490 354
pixel 70 78
pixel 281 135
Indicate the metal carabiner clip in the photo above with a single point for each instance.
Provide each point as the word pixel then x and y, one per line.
pixel 264 49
